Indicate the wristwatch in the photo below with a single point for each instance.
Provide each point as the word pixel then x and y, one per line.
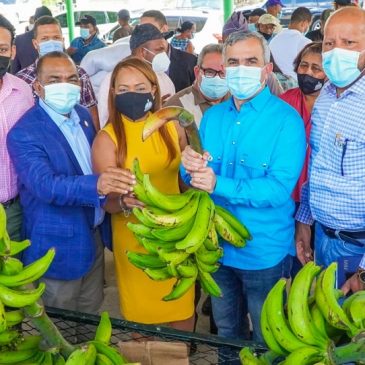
pixel 361 275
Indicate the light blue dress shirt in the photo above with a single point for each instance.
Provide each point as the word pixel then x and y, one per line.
pixel 335 193
pixel 76 138
pixel 258 153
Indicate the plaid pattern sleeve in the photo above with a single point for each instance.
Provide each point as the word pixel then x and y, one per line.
pixel 88 98
pixel 304 214
pixel 28 74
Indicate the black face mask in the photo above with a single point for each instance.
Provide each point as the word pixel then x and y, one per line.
pixel 309 84
pixel 266 36
pixel 133 105
pixel 4 65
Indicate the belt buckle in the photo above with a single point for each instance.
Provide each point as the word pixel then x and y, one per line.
pixel 349 239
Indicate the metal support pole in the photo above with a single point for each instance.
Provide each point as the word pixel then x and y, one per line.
pixel 228 9
pixel 70 20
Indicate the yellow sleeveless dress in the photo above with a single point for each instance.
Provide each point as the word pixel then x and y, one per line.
pixel 140 297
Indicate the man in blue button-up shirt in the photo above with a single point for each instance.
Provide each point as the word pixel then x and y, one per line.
pixel 256 145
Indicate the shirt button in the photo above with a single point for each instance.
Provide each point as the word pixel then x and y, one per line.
pixel 264 164
pixel 242 161
pixel 233 142
pixel 238 123
pixel 230 163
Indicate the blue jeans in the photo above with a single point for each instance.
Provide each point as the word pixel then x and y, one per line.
pixel 240 287
pixel 327 250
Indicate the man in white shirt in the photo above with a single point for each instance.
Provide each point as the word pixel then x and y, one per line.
pixel 100 62
pixel 286 45
pixel 149 44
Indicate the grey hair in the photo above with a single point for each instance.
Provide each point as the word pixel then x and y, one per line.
pixel 242 36
pixel 209 48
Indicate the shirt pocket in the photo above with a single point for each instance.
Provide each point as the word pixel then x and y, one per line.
pixel 216 163
pixel 353 159
pixel 251 166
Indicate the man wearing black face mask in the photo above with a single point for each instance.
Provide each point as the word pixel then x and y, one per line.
pixel 268 25
pixel 15 99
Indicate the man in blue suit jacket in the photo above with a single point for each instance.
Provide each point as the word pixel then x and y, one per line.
pixel 61 198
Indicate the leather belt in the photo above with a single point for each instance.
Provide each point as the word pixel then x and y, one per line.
pixel 349 237
pixel 8 203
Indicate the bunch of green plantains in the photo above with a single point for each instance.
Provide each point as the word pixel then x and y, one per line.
pixel 17 303
pixel 312 328
pixel 180 235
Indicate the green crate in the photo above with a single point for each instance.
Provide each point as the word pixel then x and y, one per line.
pixel 79 327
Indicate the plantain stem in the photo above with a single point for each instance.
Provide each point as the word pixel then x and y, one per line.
pixel 354 351
pixel 36 313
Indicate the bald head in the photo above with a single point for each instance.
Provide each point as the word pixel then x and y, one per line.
pixel 345 21
pixel 345 28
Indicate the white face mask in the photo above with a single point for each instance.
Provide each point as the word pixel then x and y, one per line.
pixel 160 62
pixel 340 66
pixel 243 81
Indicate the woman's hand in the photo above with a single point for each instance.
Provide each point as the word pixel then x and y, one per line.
pixel 194 161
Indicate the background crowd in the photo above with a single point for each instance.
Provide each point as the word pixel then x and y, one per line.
pixel 280 115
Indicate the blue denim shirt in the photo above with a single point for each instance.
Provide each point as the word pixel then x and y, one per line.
pixel 82 49
pixel 258 153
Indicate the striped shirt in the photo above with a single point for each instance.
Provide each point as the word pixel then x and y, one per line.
pixel 335 193
pixel 87 98
pixel 15 99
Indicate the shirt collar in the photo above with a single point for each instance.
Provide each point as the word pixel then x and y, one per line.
pixel 357 88
pixel 93 40
pixel 257 102
pixel 198 97
pixel 8 86
pixel 59 119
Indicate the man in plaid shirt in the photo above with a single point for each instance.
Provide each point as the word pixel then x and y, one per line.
pixel 47 38
pixel 334 195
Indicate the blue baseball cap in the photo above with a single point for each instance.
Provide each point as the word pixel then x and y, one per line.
pixel 274 2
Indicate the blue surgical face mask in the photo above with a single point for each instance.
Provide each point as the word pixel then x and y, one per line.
pixel 213 87
pixel 341 66
pixel 62 97
pixel 50 46
pixel 252 27
pixel 84 33
pixel 243 81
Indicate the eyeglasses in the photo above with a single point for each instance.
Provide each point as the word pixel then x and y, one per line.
pixel 209 72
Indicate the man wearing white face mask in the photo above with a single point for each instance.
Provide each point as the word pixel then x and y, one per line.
pixel 255 145
pixel 47 38
pixel 333 196
pixel 209 87
pixel 88 40
pixel 62 199
pixel 149 44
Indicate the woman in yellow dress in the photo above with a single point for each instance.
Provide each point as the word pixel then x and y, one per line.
pixel 134 93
